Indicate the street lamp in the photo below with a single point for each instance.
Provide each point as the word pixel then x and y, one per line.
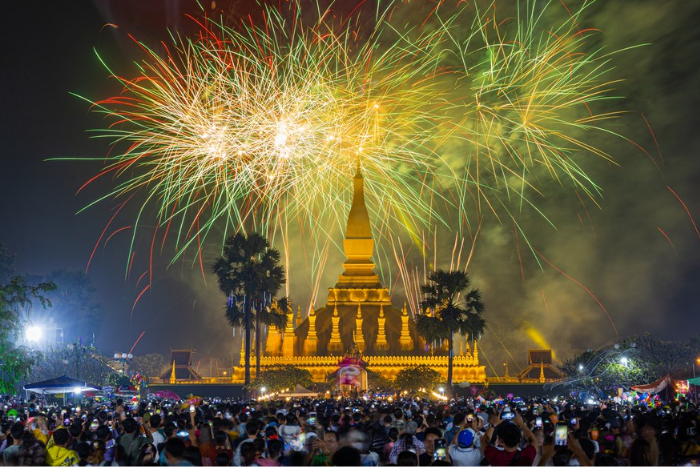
pixel 262 389
pixel 624 361
pixel 34 333
pixel 124 358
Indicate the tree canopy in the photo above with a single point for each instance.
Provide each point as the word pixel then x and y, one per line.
pixel 282 377
pixel 416 377
pixel 16 359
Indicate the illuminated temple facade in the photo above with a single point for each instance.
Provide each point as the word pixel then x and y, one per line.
pixel 358 313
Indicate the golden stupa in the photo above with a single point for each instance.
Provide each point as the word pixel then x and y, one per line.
pixel 358 314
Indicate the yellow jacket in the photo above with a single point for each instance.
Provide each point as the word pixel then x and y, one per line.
pixel 58 455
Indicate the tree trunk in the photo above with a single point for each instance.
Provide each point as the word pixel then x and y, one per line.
pixel 247 350
pixel 258 344
pixel 450 356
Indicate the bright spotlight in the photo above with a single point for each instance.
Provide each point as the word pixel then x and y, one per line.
pixel 624 361
pixel 34 333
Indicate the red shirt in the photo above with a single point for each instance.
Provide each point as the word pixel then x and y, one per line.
pixel 498 457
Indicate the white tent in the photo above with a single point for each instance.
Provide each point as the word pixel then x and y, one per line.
pixel 60 385
pixel 301 391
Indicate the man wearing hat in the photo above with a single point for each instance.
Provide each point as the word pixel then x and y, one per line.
pixel 466 450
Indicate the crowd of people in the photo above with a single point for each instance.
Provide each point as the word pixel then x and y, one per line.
pixel 367 432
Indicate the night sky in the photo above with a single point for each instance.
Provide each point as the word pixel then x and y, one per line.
pixel 646 282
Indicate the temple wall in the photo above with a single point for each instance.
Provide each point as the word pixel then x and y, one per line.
pixel 465 368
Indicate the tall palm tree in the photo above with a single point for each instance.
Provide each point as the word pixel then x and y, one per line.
pixel 450 306
pixel 249 274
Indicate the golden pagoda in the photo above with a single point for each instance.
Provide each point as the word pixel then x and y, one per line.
pixel 359 296
pixel 358 314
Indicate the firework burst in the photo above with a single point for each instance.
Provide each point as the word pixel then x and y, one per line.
pixel 260 125
pixel 249 124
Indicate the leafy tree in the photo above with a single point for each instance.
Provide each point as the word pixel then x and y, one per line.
pixel 450 306
pixel 279 377
pixel 151 364
pixel 375 380
pixel 17 360
pixel 249 275
pixel 7 264
pixel 79 362
pixel 73 305
pixel 413 378
pixel 634 360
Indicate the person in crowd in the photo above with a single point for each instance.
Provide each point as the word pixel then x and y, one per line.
pixel 506 449
pixel 193 455
pixel 407 441
pixel 430 437
pixel 57 452
pixel 129 444
pixel 347 455
pixel 466 448
pixel 174 452
pixel 31 451
pixel 11 453
pixel 252 429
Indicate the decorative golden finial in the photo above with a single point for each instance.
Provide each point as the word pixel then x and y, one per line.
pixel 542 379
pixel 359 335
pixel 172 373
pixel 381 344
pixel 311 342
pixel 405 340
pixel 289 336
pixel 335 344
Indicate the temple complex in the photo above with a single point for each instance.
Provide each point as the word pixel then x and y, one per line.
pixel 358 315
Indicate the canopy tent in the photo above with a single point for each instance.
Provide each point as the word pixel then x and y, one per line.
pixel 655 387
pixel 694 381
pixel 301 391
pixel 62 384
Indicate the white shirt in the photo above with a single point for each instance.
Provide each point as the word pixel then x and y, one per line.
pixel 158 438
pixel 465 456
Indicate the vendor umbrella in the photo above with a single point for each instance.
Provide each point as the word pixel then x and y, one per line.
pixel 165 394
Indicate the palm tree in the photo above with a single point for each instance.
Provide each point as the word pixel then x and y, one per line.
pixel 249 275
pixel 449 306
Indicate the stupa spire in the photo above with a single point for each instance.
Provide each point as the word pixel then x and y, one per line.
pixel 358 244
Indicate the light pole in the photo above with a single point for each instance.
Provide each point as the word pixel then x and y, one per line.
pixel 78 351
pixel 124 358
